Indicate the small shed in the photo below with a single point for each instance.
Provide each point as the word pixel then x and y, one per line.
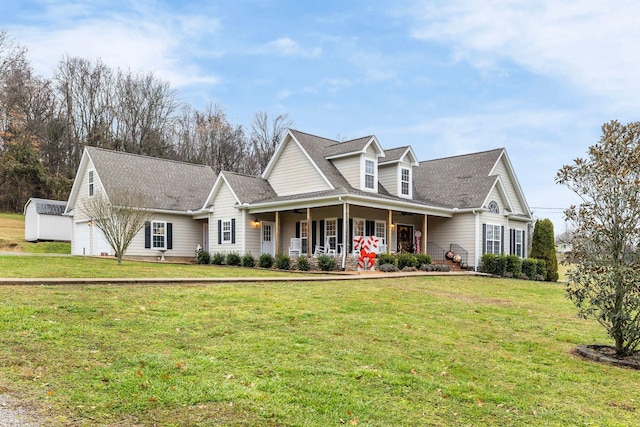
pixel 44 220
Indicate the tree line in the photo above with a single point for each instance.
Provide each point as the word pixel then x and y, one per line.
pixel 46 122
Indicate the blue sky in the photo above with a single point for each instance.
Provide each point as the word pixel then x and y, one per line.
pixel 447 77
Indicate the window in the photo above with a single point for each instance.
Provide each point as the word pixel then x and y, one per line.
pixel 226 231
pixel 331 232
pixel 519 243
pixel 90 183
pixel 381 231
pixel 369 174
pixel 158 235
pixel 358 227
pixel 405 182
pixel 304 236
pixel 493 207
pixel 493 239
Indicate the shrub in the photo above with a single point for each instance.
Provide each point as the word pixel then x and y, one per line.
pixel 204 257
pixel 514 265
pixel 265 261
pixel 388 268
pixel 326 263
pixel 494 264
pixel 428 267
pixel 217 259
pixel 543 247
pixel 282 262
pixel 423 259
pixel 541 268
pixel 233 258
pixel 530 268
pixel 303 263
pixel 406 260
pixel 248 260
pixel 385 258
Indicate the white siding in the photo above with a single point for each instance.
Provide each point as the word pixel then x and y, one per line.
pixel 224 209
pixel 388 177
pixel 83 191
pixel 459 229
pixel 293 173
pixel 509 185
pixel 349 167
pixel 186 234
pixel 31 223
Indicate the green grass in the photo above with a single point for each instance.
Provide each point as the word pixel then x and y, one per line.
pixel 86 267
pixel 435 351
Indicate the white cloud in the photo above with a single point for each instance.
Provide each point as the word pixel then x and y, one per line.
pixel 592 44
pixel 288 47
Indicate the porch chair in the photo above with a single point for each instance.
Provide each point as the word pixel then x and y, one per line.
pixel 319 250
pixel 328 249
pixel 295 247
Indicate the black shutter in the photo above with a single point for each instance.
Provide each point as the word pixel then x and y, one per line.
pixel 322 232
pixel 169 235
pixel 512 241
pixel 524 245
pixel 340 229
pixel 502 239
pixel 297 229
pixel 313 235
pixel 370 228
pixel 484 239
pixel 147 235
pixel 233 230
pixel 219 231
pixel 350 235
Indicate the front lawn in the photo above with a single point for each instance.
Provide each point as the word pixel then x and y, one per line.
pixel 436 351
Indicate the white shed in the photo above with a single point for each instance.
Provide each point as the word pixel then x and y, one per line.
pixel 44 221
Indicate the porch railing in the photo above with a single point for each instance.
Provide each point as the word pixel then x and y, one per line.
pixel 459 250
pixel 435 252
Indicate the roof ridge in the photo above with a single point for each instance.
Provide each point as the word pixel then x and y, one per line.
pixel 315 136
pixel 463 155
pixel 144 156
pixel 241 174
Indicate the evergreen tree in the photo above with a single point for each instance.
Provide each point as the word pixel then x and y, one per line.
pixel 543 247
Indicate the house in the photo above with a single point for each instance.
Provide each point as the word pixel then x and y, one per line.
pixel 43 220
pixel 324 193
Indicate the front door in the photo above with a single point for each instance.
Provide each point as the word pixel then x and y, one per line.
pixel 405 238
pixel 268 237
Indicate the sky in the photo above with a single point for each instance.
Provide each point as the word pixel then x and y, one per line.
pixel 450 77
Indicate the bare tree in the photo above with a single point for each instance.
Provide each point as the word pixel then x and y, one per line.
pixel 266 135
pixel 120 218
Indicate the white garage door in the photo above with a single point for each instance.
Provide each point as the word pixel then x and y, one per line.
pixel 81 239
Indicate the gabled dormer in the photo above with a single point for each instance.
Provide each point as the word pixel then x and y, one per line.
pixel 357 160
pixel 396 171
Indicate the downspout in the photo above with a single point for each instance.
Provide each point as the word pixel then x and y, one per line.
pixel 345 224
pixel 477 242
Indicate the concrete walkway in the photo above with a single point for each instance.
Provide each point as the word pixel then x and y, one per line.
pixel 319 277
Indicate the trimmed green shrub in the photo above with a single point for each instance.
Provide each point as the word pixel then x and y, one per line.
pixel 233 258
pixel 423 259
pixel 265 261
pixel 303 264
pixel 541 269
pixel 204 257
pixel 385 258
pixel 248 260
pixel 514 265
pixel 218 259
pixel 406 260
pixel 283 262
pixel 530 267
pixel 326 263
pixel 543 247
pixel 494 264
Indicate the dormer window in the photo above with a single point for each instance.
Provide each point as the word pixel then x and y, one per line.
pixel 369 174
pixel 405 182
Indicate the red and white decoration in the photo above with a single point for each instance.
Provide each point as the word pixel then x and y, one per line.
pixel 368 250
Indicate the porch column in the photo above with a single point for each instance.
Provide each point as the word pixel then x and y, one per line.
pixel 424 235
pixel 389 219
pixel 277 241
pixel 309 234
pixel 345 233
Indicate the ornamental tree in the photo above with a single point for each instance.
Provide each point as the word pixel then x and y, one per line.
pixel 605 280
pixel 543 247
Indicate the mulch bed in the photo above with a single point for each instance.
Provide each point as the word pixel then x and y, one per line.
pixel 607 354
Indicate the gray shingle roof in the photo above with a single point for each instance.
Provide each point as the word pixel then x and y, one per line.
pixel 249 188
pixel 393 154
pixel 162 184
pixel 352 146
pixel 49 207
pixel 457 182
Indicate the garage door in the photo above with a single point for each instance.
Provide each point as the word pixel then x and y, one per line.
pixel 81 239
